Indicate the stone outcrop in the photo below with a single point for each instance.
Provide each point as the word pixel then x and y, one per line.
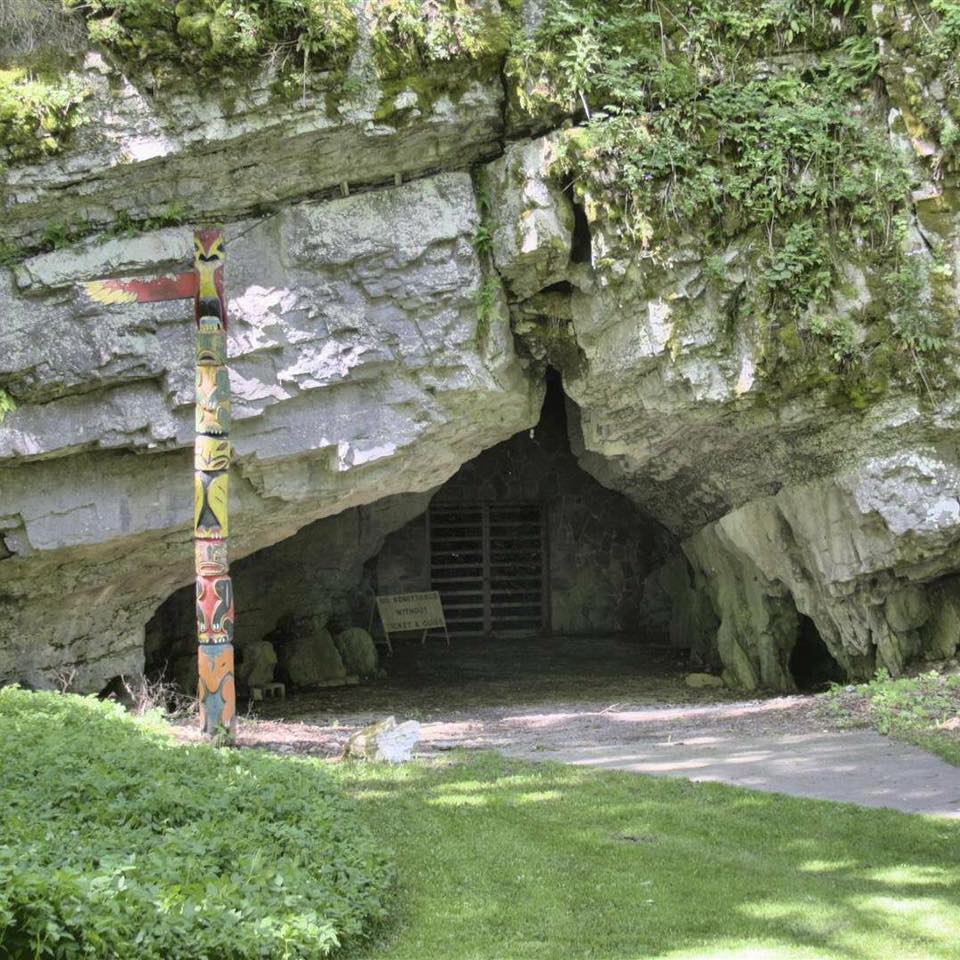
pixel 364 376
pixel 150 153
pixel 870 556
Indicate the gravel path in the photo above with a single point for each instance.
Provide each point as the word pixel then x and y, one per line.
pixel 853 766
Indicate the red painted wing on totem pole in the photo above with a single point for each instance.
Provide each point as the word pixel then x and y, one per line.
pixel 181 286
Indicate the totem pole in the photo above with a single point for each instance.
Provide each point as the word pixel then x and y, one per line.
pixel 203 284
pixel 218 697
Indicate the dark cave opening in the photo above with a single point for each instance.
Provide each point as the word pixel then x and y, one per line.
pixel 581 250
pixel 521 541
pixel 522 544
pixel 811 664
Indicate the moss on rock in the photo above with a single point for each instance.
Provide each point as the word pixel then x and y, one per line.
pixel 38 111
pixel 216 35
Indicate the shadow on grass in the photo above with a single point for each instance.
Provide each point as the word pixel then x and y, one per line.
pixel 504 859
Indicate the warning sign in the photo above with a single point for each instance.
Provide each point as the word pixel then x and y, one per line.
pixel 411 611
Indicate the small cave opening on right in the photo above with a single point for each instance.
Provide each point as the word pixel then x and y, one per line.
pixel 812 666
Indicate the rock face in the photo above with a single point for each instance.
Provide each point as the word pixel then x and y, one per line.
pixel 222 158
pixel 382 339
pixel 355 372
pixel 870 556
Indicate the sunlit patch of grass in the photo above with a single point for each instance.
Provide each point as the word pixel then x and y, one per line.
pixel 458 800
pixel 932 917
pixel 615 866
pixel 825 866
pixel 912 876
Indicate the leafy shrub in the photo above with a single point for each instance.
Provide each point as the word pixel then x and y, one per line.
pixel 914 322
pixel 116 842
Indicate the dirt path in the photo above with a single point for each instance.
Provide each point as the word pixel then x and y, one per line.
pixel 615 705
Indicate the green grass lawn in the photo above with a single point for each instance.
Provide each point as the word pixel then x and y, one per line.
pixel 117 842
pixel 503 859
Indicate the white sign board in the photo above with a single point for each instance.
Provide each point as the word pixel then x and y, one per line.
pixel 411 611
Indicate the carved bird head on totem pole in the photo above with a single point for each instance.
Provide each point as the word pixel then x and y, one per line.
pixel 208 257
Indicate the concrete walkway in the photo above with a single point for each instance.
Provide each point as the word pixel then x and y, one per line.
pixel 853 767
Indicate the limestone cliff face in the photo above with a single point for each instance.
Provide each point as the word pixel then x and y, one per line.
pixel 381 339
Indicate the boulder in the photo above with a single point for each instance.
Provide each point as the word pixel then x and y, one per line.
pixel 701 681
pixel 358 651
pixel 385 741
pixel 258 661
pixel 310 658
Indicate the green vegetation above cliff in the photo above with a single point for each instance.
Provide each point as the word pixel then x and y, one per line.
pixel 212 35
pixel 922 65
pixel 38 111
pixel 754 124
pixel 709 114
pixel 409 35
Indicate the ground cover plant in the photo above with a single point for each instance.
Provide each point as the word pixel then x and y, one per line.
pixel 504 859
pixel 924 710
pixel 117 842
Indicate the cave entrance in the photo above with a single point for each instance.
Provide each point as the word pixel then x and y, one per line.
pixel 811 664
pixel 546 577
pixel 488 563
pixel 522 542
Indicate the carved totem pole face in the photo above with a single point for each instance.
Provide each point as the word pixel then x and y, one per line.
pixel 213 398
pixel 208 259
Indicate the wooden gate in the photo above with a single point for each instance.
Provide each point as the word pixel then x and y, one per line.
pixel 488 561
